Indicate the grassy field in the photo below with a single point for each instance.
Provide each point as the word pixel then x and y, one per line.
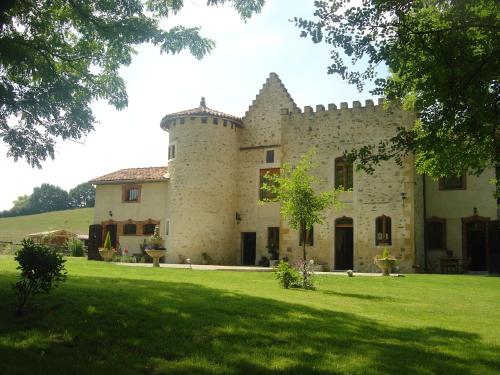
pixel 15 228
pixel 111 319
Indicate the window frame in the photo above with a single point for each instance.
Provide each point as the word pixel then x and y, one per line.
pixel 309 236
pixel 126 193
pixel 347 170
pixel 386 221
pixel 172 145
pixel 264 194
pixel 125 225
pixel 463 180
pixel 144 229
pixel 428 222
pixel 270 156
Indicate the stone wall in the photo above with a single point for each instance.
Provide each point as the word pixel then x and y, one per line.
pixel 202 191
pixel 330 132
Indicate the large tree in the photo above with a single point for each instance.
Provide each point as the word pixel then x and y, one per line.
pixel 82 195
pixel 58 56
pixel 443 56
pixel 46 198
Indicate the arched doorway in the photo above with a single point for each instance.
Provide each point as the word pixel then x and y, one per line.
pixel 344 244
pixel 475 242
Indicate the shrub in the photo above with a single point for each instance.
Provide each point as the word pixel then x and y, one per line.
pixel 75 247
pixel 42 269
pixel 306 273
pixel 286 275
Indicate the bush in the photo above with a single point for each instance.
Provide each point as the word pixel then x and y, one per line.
pixel 42 269
pixel 75 247
pixel 306 274
pixel 286 275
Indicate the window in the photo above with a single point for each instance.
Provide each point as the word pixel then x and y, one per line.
pixel 343 173
pixel 148 228
pixel 167 227
pixel 215 120
pixel 129 229
pixel 182 120
pixel 309 236
pixel 224 122
pixel 171 151
pixel 383 231
pixel 436 233
pixel 270 156
pixel 203 120
pixel 452 183
pixel 266 194
pixel 131 193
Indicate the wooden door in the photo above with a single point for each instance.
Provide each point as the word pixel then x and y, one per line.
pixel 344 244
pixel 95 241
pixel 248 248
pixel 494 257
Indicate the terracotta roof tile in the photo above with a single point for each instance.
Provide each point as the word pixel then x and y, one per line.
pixel 133 175
pixel 202 110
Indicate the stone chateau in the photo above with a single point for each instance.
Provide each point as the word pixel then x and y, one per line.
pixel 205 199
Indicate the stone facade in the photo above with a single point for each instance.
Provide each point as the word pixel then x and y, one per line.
pixel 208 202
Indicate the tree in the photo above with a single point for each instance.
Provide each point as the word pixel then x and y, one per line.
pixel 82 195
pixel 47 197
pixel 443 59
pixel 294 188
pixel 57 57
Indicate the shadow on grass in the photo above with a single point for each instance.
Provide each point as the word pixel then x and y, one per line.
pixel 369 297
pixel 103 326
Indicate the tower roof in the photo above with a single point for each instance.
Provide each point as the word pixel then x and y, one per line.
pixel 200 111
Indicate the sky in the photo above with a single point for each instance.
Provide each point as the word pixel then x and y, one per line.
pixel 157 84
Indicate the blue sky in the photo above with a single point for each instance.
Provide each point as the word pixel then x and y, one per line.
pixel 229 78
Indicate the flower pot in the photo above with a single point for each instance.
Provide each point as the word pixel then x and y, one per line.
pixel 156 255
pixel 106 254
pixel 385 265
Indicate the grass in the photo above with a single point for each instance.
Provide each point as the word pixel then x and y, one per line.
pixel 14 229
pixel 131 320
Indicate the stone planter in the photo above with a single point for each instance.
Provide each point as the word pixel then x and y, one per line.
pixel 156 255
pixel 106 254
pixel 385 265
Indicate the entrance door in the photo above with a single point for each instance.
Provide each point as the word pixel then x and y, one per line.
pixel 476 242
pixel 248 240
pixel 273 242
pixel 344 244
pixel 95 241
pixel 112 229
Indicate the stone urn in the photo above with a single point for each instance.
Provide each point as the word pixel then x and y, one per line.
pixel 106 254
pixel 385 265
pixel 156 254
pixel 155 249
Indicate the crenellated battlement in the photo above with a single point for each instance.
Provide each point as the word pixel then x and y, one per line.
pixel 332 107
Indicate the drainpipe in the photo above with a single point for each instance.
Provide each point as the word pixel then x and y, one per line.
pixel 425 226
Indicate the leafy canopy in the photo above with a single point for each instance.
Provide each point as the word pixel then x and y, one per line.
pixel 443 58
pixel 57 57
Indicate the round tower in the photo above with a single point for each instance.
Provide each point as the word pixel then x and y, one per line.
pixel 201 203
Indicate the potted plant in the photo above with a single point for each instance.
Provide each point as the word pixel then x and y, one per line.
pixel 155 248
pixel 385 262
pixel 107 251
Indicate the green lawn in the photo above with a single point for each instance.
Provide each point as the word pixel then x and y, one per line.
pixel 110 319
pixel 14 229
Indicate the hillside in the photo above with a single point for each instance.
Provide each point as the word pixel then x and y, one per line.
pixel 15 228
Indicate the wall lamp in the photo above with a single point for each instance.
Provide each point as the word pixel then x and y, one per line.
pixel 238 218
pixel 110 213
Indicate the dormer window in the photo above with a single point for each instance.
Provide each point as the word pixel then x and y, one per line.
pixel 270 156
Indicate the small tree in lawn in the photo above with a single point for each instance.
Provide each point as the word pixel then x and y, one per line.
pixel 301 204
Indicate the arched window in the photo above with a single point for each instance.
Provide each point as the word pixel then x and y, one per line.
pixel 383 234
pixel 343 173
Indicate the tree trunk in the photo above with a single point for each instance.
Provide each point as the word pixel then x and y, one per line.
pixel 497 171
pixel 304 238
